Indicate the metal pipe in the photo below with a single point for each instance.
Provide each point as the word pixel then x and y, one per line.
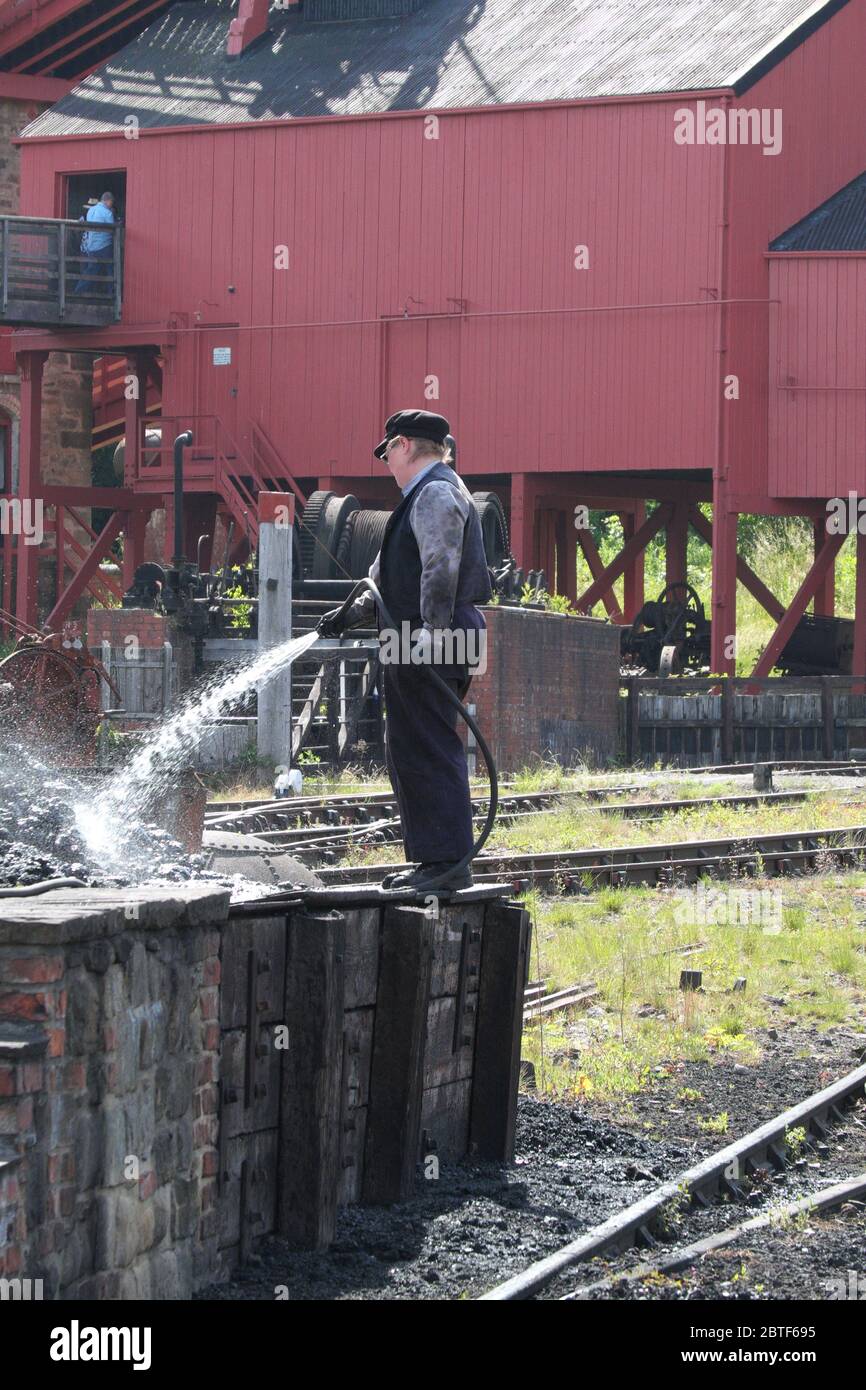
pixel 182 442
pixel 31 890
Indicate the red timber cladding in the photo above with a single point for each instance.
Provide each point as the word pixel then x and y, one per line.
pixel 819 88
pixel 817 342
pixel 379 220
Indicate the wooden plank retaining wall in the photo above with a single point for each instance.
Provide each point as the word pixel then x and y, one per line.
pixel 694 722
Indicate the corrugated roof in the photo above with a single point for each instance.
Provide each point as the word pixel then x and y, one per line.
pixel 451 53
pixel 837 225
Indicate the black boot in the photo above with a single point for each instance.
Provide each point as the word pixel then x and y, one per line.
pixel 418 879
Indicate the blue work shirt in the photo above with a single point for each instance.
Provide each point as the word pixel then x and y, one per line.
pixel 418 476
pixel 97 241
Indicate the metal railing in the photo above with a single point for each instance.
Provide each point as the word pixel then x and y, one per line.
pixel 47 276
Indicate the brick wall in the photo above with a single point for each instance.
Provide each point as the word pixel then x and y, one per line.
pixel 115 625
pixel 551 687
pixel 109 1059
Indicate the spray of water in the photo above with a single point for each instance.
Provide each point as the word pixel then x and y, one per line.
pixel 108 821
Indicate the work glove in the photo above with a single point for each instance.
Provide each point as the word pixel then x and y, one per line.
pixel 332 623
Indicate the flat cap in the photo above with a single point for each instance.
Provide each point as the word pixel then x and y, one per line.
pixel 414 424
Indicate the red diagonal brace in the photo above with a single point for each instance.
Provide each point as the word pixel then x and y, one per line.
pixel 639 541
pixel 82 577
pixel 586 541
pixel 745 574
pixel 797 607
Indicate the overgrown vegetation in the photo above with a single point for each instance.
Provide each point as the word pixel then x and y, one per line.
pixel 631 944
pixel 778 549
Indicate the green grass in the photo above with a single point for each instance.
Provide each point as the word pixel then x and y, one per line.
pixel 643 1024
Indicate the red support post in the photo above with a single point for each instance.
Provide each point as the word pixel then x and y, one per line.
pixel 676 545
pixel 135 400
pixel 566 556
pixel 825 594
pixel 133 545
pixel 522 519
pixel 634 574
pixel 745 574
pixel 723 641
pixel 858 656
pixel 545 546
pixel 60 550
pixel 30 479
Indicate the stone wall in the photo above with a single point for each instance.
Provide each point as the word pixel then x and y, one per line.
pixel 551 688
pixel 174 1085
pixel 15 114
pixel 109 1054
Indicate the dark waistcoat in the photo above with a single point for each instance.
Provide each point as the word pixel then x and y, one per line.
pixel 400 560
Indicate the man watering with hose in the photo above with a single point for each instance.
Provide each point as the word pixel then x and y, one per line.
pixel 431 572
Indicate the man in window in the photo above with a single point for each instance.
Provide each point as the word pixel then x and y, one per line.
pixel 98 247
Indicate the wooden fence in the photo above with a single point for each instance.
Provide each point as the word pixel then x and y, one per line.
pixel 693 722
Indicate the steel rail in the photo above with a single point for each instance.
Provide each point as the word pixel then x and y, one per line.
pixel 661 859
pixel 330 840
pixel 531 804
pixel 704 1180
pixel 219 813
pixel 828 1198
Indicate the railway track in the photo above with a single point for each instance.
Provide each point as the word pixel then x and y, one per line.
pixel 360 824
pixel 314 844
pixel 815 1204
pixel 363 807
pixel 724 1174
pixel 650 864
pixel 360 807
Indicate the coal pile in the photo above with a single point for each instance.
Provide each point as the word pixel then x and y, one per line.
pixel 40 838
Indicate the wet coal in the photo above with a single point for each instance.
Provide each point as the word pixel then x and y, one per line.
pixel 40 838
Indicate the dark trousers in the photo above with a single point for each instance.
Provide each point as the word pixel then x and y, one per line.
pixel 97 273
pixel 427 764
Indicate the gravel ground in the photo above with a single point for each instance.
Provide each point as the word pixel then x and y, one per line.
pixel 575 1166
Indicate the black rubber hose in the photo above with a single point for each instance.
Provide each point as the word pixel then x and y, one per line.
pixel 30 890
pixel 469 721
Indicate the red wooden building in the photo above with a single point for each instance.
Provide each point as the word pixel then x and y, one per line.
pixel 552 223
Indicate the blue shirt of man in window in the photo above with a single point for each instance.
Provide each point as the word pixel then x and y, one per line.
pixel 98 247
pixel 103 211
